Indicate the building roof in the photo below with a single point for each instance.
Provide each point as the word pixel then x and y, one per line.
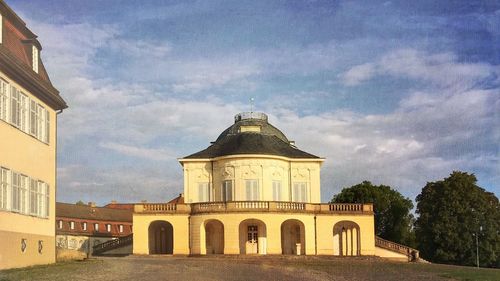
pixel 66 210
pixel 16 58
pixel 267 140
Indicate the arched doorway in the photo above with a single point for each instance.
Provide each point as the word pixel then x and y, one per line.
pixel 346 239
pixel 293 237
pixel 161 238
pixel 214 237
pixel 253 235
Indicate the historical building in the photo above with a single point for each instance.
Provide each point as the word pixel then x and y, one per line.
pixel 253 192
pixel 81 227
pixel 29 106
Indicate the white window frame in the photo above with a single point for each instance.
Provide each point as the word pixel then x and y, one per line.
pixel 4 100
pixel 299 192
pixel 33 197
pixel 96 226
pixel 252 190
pixel 120 228
pixel 84 226
pixel 47 127
pixel 203 192
pixel 108 227
pixel 227 185
pixel 72 225
pixel 1 29
pixel 15 106
pixel 23 112
pixel 5 196
pixel 277 191
pixel 60 224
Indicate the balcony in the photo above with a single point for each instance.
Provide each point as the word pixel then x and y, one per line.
pixel 253 206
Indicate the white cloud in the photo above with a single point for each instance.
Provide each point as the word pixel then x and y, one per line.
pixel 147 153
pixel 358 74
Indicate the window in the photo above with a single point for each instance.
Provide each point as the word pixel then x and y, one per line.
pixel 84 226
pixel 14 106
pixel 40 199
pixel 47 200
pixel 96 227
pixel 1 28
pixel 47 126
pixel 72 225
pixel 120 228
pixel 252 190
pixel 203 192
pixel 23 194
pixel 33 197
pixel 276 190
pixel 35 55
pixel 24 104
pixel 108 227
pixel 60 224
pixel 4 188
pixel 33 119
pixel 15 192
pixel 4 100
pixel 227 190
pixel 40 122
pixel 300 192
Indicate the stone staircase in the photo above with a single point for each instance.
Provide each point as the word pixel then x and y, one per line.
pixel 412 254
pixel 99 249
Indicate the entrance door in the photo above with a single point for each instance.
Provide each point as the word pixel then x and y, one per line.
pixel 252 245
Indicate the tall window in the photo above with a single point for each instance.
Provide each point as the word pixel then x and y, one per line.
pixel 14 106
pixel 47 200
pixel 300 192
pixel 24 109
pixel 47 126
pixel 60 224
pixel 33 119
pixel 84 226
pixel 227 190
pixel 4 100
pixel 15 191
pixel 72 225
pixel 203 192
pixel 4 188
pixel 108 227
pixel 276 190
pixel 252 190
pixel 33 197
pixel 96 227
pixel 120 228
pixel 23 194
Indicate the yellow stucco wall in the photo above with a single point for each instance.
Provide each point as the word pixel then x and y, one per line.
pixel 140 229
pixel 384 253
pixel 263 168
pixel 22 153
pixel 317 232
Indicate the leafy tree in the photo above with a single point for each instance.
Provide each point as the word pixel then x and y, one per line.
pixel 452 211
pixel 80 202
pixel 393 220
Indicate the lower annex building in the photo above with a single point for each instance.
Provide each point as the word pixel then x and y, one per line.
pixel 252 191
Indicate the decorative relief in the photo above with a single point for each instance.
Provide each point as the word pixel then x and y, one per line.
pixel 251 171
pixel 277 172
pixel 228 172
pixel 300 174
pixel 202 175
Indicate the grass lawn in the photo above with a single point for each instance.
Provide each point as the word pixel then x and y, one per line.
pixel 246 268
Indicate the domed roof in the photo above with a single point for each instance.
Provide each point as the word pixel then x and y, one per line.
pixel 251 134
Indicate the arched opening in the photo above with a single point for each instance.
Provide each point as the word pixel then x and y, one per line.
pixel 253 235
pixel 293 237
pixel 346 239
pixel 161 238
pixel 214 237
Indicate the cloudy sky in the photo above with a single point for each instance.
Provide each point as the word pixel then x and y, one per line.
pixel 395 92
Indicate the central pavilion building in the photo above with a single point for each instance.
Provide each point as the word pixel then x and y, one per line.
pixel 252 191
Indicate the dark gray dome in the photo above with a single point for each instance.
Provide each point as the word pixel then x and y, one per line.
pixel 251 134
pixel 252 119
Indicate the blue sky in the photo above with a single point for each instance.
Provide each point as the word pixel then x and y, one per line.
pixel 395 92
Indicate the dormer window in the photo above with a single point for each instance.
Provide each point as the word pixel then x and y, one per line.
pixel 35 56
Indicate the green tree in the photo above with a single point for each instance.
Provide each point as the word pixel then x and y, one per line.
pixel 393 220
pixel 451 212
pixel 80 202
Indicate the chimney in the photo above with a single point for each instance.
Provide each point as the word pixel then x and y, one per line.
pixel 91 204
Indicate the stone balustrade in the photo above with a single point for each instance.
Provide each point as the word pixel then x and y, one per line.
pixel 254 206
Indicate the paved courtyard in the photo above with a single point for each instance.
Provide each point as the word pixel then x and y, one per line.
pixel 241 268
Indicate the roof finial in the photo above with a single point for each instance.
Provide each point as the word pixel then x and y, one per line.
pixel 251 106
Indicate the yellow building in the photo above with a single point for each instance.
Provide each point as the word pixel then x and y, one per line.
pixel 29 105
pixel 252 191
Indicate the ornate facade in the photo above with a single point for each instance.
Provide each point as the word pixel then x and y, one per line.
pixel 252 191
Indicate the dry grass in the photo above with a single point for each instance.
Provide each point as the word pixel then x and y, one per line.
pixel 245 268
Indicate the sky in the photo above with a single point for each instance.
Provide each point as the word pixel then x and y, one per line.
pixel 399 93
